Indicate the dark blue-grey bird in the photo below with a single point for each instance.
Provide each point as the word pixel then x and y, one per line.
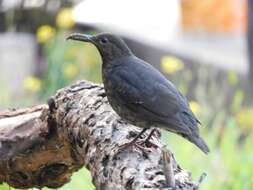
pixel 139 93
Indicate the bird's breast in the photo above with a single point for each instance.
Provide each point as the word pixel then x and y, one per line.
pixel 113 85
pixel 122 109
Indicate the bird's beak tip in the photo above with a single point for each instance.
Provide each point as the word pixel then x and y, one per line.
pixel 80 37
pixel 71 36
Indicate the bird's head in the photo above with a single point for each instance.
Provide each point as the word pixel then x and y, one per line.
pixel 109 46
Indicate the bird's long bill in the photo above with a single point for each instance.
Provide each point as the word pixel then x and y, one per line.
pixel 80 37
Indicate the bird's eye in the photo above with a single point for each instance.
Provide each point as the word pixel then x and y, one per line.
pixel 104 40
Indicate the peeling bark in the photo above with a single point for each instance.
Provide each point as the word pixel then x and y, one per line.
pixel 43 145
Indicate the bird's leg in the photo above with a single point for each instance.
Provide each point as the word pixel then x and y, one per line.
pixel 124 146
pixel 133 142
pixel 147 140
pixel 137 137
pixel 150 135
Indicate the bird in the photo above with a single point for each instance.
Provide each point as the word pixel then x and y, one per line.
pixel 139 93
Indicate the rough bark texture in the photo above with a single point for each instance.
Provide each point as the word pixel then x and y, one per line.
pixel 43 146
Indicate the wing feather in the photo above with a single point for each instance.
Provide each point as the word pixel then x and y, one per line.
pixel 155 103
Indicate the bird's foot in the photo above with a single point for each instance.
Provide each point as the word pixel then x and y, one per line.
pixel 143 145
pixel 131 143
pixel 144 149
pixel 149 144
pixel 147 141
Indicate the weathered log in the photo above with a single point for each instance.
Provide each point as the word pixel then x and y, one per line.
pixel 43 145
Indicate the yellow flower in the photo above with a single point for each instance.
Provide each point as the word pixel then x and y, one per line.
pixel 245 118
pixel 70 70
pixel 45 33
pixel 233 78
pixel 171 64
pixel 64 18
pixel 194 107
pixel 32 84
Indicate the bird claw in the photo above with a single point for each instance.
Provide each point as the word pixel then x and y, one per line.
pixel 147 141
pixel 144 145
pixel 149 144
pixel 143 149
pixel 130 145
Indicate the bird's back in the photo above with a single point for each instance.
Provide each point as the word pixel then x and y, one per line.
pixel 149 77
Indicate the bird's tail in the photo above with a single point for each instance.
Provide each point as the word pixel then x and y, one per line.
pixel 199 142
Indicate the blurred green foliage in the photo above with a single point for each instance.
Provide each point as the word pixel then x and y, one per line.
pixel 80 180
pixel 229 164
pixel 68 62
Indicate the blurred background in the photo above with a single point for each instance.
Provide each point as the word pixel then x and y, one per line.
pixel 204 47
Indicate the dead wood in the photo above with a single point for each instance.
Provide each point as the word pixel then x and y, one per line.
pixel 43 145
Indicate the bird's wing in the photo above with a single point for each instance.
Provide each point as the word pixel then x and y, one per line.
pixel 154 102
pixel 161 102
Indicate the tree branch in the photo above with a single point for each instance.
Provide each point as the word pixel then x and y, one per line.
pixel 43 145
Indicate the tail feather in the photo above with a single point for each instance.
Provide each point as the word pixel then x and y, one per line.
pixel 191 122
